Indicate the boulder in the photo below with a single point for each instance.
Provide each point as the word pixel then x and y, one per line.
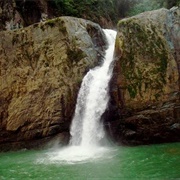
pixel 145 88
pixel 41 70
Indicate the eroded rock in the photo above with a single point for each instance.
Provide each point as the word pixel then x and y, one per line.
pixel 42 67
pixel 146 78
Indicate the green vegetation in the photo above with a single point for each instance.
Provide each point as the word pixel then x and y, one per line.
pixel 111 10
pixel 146 5
pixel 51 22
pixel 105 12
pixel 88 9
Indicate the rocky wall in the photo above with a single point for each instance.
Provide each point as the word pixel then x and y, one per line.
pixel 145 88
pixel 41 70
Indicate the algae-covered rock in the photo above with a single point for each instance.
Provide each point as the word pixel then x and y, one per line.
pixel 41 70
pixel 146 75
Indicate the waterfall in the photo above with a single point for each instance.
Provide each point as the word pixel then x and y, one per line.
pixel 86 128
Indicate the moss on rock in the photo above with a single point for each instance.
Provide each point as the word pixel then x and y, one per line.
pixel 41 70
pixel 144 58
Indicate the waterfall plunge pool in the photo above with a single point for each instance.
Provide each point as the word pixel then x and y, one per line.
pixel 85 158
pixel 159 162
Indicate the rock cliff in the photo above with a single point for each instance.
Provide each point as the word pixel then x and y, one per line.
pixel 16 14
pixel 41 70
pixel 145 88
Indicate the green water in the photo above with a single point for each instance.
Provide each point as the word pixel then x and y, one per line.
pixel 142 162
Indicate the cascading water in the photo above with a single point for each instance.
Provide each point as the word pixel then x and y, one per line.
pixel 86 129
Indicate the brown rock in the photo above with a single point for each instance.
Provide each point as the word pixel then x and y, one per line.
pixel 41 70
pixel 146 77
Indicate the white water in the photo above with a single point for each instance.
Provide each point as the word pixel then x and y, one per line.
pixel 86 129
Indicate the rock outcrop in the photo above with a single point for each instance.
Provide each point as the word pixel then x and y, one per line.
pixel 15 14
pixel 41 70
pixel 145 88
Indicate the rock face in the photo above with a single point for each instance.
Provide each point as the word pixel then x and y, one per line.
pixel 41 70
pixel 145 89
pixel 15 14
pixel 7 12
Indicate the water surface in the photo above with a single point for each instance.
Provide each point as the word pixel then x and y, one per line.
pixel 141 162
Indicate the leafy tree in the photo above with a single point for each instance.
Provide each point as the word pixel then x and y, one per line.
pixel 124 6
pixel 66 7
pixel 147 5
pixel 110 10
pixel 89 9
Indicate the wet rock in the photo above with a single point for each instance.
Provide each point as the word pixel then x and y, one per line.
pixel 42 67
pixel 145 88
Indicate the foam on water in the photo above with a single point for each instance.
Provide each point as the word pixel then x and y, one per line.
pixel 75 154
